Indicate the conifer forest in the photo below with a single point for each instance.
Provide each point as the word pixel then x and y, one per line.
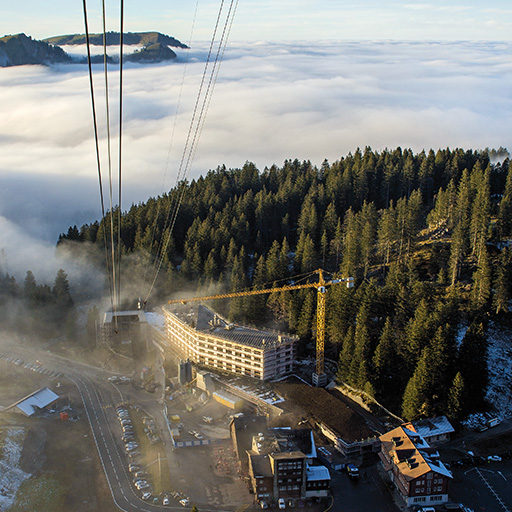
pixel 426 237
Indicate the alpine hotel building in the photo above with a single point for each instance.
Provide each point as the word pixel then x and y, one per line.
pixel 198 334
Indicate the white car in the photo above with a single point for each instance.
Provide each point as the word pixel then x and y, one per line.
pixel 281 503
pixel 185 502
pixel 165 501
pixel 494 458
pixel 146 496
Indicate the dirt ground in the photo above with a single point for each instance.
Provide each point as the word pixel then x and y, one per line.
pixel 61 457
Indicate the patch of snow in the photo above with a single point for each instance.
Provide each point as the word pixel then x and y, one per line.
pixel 11 477
pixel 499 391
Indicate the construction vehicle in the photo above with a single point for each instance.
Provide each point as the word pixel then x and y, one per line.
pixel 319 377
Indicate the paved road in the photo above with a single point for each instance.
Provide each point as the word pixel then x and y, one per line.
pixel 99 398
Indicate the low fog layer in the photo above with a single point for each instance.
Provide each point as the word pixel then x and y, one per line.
pixel 272 101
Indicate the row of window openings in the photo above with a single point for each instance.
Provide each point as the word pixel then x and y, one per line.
pixel 247 352
pixel 289 487
pixel 436 481
pixel 420 490
pixel 431 499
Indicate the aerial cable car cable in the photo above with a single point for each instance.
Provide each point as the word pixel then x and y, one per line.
pixel 171 140
pixel 109 153
pixel 213 77
pixel 177 198
pixel 121 36
pixel 97 147
pixel 185 168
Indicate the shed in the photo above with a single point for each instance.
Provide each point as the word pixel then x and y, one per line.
pixel 38 400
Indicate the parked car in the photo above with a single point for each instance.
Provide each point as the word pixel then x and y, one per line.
pixel 281 503
pixel 146 496
pixel 185 502
pixel 494 458
pixel 165 501
pixel 353 471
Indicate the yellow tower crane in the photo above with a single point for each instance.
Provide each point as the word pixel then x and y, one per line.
pixel 319 377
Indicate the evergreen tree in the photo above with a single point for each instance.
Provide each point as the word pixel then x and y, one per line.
pixel 388 370
pixel 61 292
pixel 345 358
pixel 455 410
pixel 473 353
pixel 505 209
pixel 481 289
pixel 503 284
pixel 360 365
pixel 416 403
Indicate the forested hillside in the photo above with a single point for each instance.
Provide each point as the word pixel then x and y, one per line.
pixel 423 234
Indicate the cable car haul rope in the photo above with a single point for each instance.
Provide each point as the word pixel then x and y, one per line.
pixel 203 99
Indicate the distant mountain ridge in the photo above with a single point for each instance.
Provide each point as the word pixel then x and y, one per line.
pixel 20 49
pixel 112 38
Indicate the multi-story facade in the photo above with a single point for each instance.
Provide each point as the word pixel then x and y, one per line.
pixel 278 462
pixel 196 333
pixel 414 468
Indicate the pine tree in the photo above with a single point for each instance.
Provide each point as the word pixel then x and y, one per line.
pixel 505 209
pixel 360 366
pixel 345 358
pixel 416 401
pixel 61 294
pixel 472 363
pixel 456 407
pixel 481 214
pixel 351 247
pixel 387 368
pixel 503 284
pixel 30 288
pixel 481 289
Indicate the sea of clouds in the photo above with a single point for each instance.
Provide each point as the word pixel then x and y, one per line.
pixel 272 101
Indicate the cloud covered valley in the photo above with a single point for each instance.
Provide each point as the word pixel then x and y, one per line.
pixel 272 101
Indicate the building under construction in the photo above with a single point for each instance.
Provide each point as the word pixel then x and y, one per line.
pixel 197 333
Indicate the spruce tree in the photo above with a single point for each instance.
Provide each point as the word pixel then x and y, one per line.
pixel 472 364
pixel 456 407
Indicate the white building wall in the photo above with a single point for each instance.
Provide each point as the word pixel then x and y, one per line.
pixel 224 355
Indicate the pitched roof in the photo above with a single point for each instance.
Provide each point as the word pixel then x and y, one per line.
pixel 432 427
pixel 409 452
pixel 37 400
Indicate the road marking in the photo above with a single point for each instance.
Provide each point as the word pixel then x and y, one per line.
pixel 489 486
pixel 502 475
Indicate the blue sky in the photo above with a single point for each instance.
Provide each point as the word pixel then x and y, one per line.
pixel 277 19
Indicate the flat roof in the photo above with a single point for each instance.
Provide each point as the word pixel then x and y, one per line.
pixel 316 473
pixel 261 465
pixel 138 315
pixel 213 324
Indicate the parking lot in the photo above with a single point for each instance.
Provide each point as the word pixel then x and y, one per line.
pixel 483 487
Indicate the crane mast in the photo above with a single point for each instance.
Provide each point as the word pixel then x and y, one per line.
pixel 319 377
